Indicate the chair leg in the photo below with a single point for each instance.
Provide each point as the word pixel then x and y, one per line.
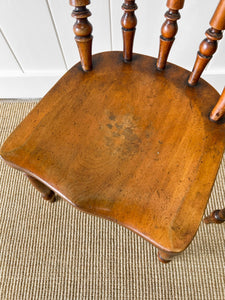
pixel 217 216
pixel 46 193
pixel 165 257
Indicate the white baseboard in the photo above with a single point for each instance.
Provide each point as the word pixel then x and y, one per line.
pixel 36 86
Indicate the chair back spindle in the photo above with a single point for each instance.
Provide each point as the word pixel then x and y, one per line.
pixel 128 22
pixel 83 29
pixel 168 31
pixel 219 110
pixel 209 45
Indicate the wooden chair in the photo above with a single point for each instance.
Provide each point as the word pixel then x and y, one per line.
pixel 130 139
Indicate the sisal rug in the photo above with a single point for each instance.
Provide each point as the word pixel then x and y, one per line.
pixel 53 251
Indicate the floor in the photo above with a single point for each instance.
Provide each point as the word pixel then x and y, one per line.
pixel 53 251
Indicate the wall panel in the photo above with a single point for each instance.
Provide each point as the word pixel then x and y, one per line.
pixel 38 39
pixel 30 32
pixel 8 62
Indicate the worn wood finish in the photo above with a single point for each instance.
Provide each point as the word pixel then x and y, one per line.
pixel 145 156
pixel 128 22
pixel 209 45
pixel 83 29
pixel 46 193
pixel 168 31
pixel 219 110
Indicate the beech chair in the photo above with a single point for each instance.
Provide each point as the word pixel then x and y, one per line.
pixel 129 137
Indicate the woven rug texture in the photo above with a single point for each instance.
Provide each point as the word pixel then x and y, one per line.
pixel 53 251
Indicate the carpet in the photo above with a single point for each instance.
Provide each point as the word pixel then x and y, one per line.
pixel 53 251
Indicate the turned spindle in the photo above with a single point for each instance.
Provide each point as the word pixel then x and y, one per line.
pixel 168 31
pixel 83 29
pixel 128 22
pixel 219 110
pixel 209 45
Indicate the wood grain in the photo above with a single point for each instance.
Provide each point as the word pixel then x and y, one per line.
pixel 145 157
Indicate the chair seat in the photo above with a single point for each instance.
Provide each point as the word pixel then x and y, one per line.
pixel 128 143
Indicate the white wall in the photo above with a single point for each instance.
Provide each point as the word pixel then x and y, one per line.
pixel 37 42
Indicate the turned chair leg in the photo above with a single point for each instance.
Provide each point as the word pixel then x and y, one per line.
pixel 165 257
pixel 217 216
pixel 46 193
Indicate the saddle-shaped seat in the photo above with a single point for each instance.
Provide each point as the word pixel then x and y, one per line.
pixel 126 142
